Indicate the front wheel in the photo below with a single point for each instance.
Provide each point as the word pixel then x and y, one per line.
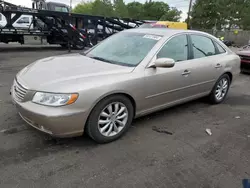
pixel 220 90
pixel 79 46
pixel 110 119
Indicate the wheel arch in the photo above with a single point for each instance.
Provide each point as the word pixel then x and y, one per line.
pixel 230 75
pixel 125 94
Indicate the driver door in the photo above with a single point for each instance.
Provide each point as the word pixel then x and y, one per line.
pixel 166 86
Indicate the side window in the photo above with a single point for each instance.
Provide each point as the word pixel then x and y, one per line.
pixel 221 50
pixel 176 48
pixel 23 20
pixel 202 46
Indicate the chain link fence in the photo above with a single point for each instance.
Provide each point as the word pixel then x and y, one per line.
pixel 240 38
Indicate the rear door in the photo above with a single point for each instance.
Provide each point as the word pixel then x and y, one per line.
pixel 207 64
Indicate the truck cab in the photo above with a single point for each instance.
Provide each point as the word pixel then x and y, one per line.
pixel 52 6
pixel 59 7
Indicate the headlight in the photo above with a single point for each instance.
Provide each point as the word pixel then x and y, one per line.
pixel 54 99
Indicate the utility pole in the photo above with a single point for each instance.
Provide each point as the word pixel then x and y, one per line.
pixel 70 5
pixel 189 11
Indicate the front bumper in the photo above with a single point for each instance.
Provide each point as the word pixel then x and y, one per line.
pixel 56 121
pixel 245 66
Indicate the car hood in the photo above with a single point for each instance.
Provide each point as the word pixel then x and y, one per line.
pixel 244 52
pixel 53 71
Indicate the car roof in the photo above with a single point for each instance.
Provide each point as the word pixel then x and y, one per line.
pixel 163 31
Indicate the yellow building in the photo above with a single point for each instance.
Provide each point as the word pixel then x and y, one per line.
pixel 173 25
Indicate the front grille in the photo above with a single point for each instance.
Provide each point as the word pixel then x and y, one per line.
pixel 19 91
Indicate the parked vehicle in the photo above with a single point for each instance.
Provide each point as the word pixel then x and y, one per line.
pixel 24 22
pixel 102 90
pixel 1 20
pixel 164 24
pixel 245 60
pixel 52 23
pixel 152 25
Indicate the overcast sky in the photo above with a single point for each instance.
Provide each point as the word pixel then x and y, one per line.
pixel 180 4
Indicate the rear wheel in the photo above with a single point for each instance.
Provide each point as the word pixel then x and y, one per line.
pixel 110 119
pixel 220 90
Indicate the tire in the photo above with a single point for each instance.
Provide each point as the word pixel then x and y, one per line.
pixel 79 45
pixel 64 45
pixel 213 98
pixel 94 126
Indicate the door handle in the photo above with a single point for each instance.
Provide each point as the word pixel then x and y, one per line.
pixel 218 66
pixel 186 72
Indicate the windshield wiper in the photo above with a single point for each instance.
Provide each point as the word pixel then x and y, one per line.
pixel 112 62
pixel 101 59
pixel 200 50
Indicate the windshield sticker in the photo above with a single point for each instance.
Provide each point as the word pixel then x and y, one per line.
pixel 154 37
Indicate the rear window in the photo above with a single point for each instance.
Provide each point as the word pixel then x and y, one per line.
pixel 61 9
pixel 221 50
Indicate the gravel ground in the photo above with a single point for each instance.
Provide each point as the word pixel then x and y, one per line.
pixel 142 158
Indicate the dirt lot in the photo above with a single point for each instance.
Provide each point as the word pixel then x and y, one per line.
pixel 142 158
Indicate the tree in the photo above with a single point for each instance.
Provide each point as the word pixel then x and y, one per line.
pixel 220 13
pixel 237 14
pixel 245 16
pixel 172 15
pixel 135 10
pixel 205 14
pixel 84 8
pixel 97 7
pixel 150 10
pixel 103 8
pixel 120 9
pixel 154 10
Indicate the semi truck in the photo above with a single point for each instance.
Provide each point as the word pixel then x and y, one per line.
pixel 53 23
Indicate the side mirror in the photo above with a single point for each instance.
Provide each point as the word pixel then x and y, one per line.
pixel 164 63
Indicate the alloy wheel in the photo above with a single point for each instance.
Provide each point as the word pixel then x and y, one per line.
pixel 112 119
pixel 221 89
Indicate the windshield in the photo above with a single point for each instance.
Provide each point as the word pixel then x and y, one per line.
pixel 61 9
pixel 125 48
